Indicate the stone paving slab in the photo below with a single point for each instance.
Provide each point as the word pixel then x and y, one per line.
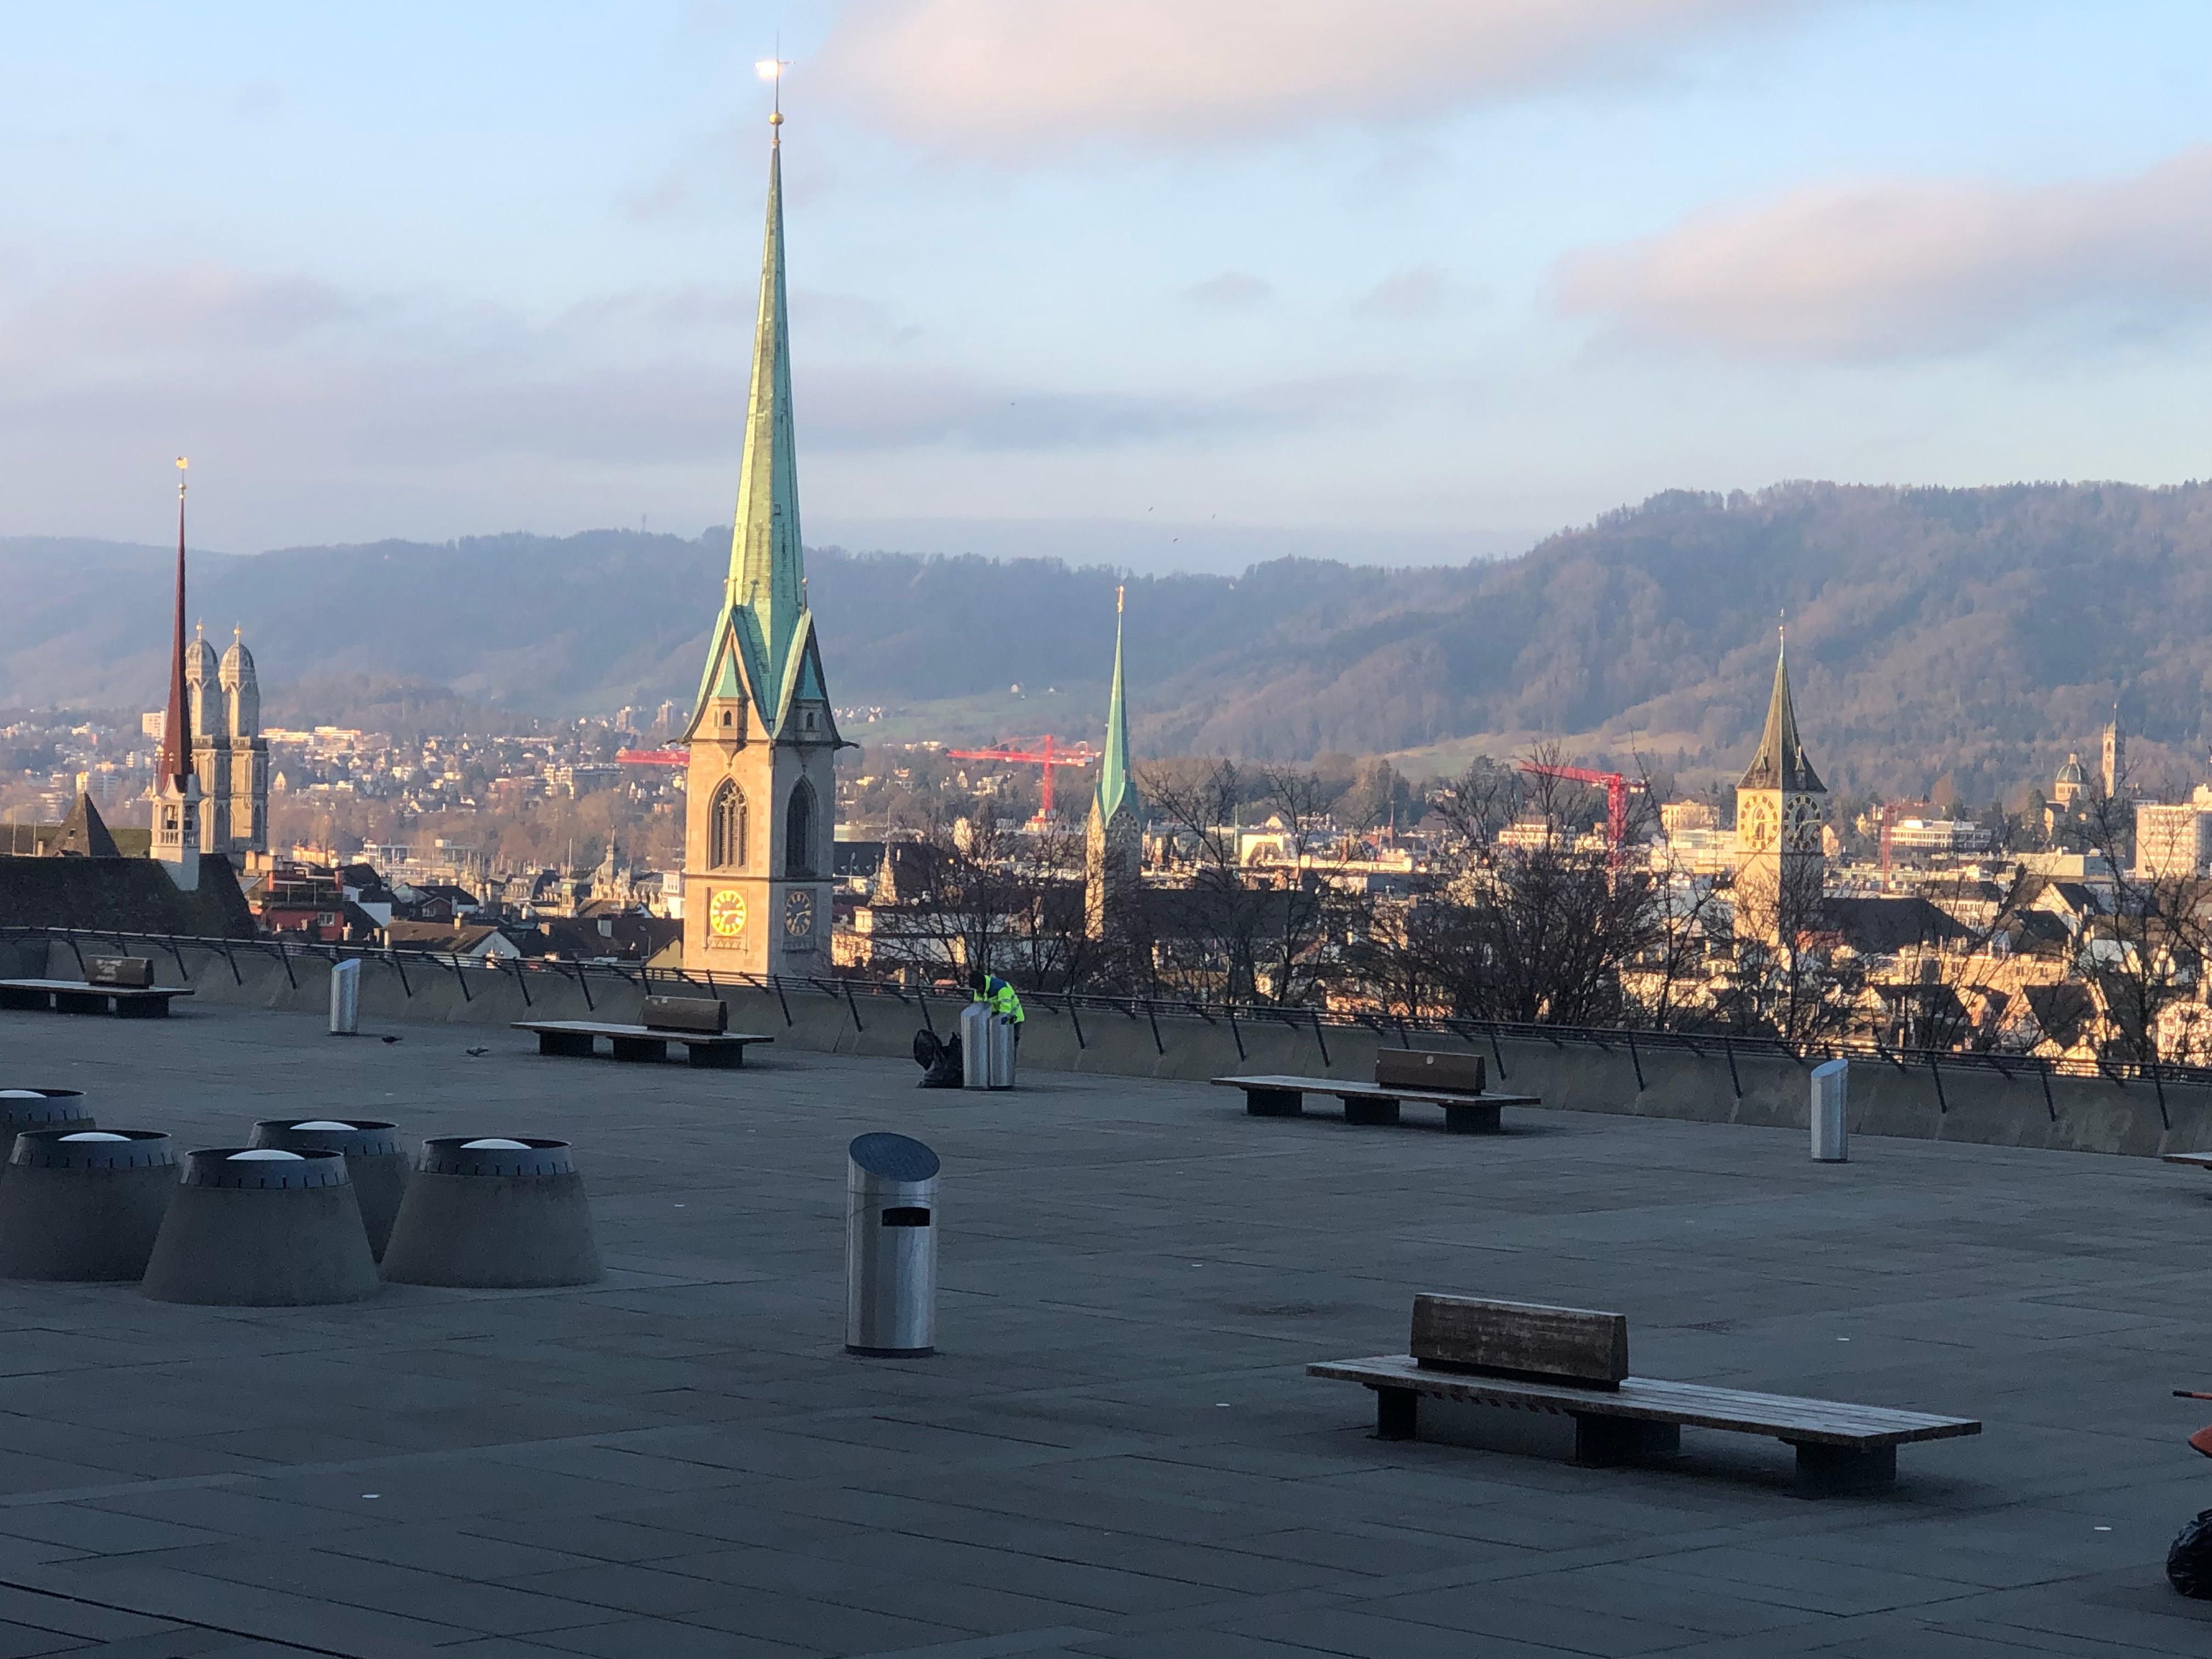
pixel 1116 1452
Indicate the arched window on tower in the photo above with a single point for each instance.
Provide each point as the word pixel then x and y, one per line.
pixel 798 831
pixel 726 828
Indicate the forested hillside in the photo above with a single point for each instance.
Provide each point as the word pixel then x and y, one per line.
pixel 1973 634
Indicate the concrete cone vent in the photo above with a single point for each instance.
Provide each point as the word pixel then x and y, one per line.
pixel 40 1108
pixel 84 1204
pixel 262 1227
pixel 493 1214
pixel 373 1160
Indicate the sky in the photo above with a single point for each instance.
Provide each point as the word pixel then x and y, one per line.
pixel 1163 284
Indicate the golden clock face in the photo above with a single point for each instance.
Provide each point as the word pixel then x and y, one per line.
pixel 726 912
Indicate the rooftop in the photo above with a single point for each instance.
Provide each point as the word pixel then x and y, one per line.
pixel 1115 1452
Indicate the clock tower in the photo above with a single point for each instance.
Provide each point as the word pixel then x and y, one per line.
pixel 761 792
pixel 1781 811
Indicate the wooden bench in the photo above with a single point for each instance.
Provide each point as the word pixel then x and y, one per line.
pixel 699 1022
pixel 1527 1357
pixel 1429 1076
pixel 127 992
pixel 2202 1160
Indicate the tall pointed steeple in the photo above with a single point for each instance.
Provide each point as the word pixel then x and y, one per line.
pixel 1113 839
pixel 1780 763
pixel 763 647
pixel 768 566
pixel 1113 786
pixel 176 756
pixel 761 784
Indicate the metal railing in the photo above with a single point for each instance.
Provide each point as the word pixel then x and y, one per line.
pixel 1236 1018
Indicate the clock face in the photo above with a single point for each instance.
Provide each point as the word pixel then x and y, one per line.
pixel 726 912
pixel 797 917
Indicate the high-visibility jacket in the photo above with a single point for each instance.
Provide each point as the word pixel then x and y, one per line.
pixel 1002 997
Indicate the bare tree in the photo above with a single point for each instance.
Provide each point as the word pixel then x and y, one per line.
pixel 1269 929
pixel 978 896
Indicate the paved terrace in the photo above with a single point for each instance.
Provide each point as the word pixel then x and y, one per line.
pixel 1115 1452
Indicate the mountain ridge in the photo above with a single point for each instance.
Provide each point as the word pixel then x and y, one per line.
pixel 1976 634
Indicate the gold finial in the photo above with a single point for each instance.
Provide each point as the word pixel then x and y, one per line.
pixel 1119 592
pixel 771 70
pixel 181 465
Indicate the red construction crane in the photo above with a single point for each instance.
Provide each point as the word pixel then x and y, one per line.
pixel 1044 755
pixel 653 756
pixel 1616 788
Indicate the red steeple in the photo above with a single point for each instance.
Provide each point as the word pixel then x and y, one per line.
pixel 176 762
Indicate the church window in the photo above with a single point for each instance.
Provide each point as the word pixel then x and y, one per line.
pixel 726 717
pixel 726 828
pixel 798 831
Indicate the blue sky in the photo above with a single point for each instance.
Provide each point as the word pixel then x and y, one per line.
pixel 1159 281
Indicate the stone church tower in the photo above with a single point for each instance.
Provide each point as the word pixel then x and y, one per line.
pixel 761 790
pixel 1113 839
pixel 176 788
pixel 1781 807
pixel 229 755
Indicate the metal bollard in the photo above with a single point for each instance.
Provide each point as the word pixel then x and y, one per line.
pixel 1831 1129
pixel 891 1248
pixel 345 997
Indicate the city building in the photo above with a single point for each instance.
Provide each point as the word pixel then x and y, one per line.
pixel 2115 776
pixel 2173 841
pixel 761 796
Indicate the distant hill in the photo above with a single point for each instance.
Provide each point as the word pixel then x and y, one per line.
pixel 1976 633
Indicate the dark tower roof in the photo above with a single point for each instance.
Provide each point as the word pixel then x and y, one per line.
pixel 1780 763
pixel 84 834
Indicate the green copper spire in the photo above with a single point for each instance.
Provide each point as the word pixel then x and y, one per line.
pixel 1115 788
pixel 765 642
pixel 768 569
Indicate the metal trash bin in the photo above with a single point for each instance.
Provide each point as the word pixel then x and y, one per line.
pixel 975 1046
pixel 1831 1126
pixel 345 997
pixel 891 1248
pixel 986 1048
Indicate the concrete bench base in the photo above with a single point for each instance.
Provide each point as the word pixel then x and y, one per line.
pixel 1841 1449
pixel 1372 1102
pixel 579 1038
pixel 76 996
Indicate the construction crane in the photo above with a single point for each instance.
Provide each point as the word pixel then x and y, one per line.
pixel 653 756
pixel 1617 789
pixel 1044 755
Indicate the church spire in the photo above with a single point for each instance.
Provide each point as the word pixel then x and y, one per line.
pixel 768 569
pixel 176 757
pixel 1113 787
pixel 1780 763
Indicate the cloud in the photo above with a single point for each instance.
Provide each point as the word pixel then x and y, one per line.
pixel 1232 290
pixel 300 374
pixel 1017 74
pixel 1896 268
pixel 1406 297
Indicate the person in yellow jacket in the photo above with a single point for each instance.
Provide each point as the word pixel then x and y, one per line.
pixel 1002 996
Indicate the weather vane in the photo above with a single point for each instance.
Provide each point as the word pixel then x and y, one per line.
pixel 771 70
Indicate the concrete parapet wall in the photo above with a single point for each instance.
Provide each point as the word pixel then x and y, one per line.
pixel 2074 1114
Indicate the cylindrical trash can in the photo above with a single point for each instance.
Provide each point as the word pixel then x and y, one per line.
pixel 493 1214
pixel 345 997
pixel 1831 1128
pixel 40 1108
pixel 258 1227
pixel 1002 1051
pixel 891 1248
pixel 374 1163
pixel 84 1204
pixel 975 1046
